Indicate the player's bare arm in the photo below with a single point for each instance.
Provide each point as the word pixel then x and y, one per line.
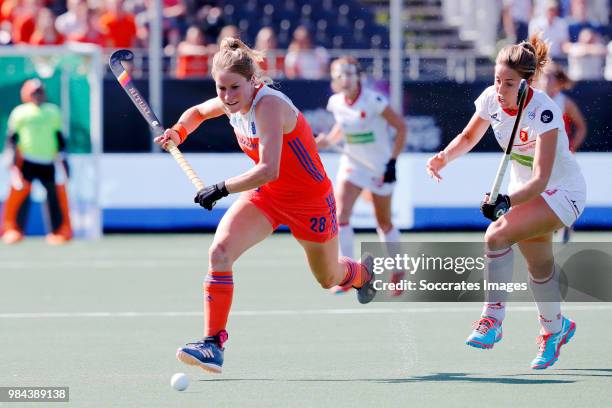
pixel 191 119
pixel 461 144
pixel 577 119
pixel 396 122
pixel 329 139
pixel 271 126
pixel 542 168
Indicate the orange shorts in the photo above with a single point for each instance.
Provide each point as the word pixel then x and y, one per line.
pixel 309 218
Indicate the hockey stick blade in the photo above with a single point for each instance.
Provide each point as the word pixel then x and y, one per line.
pixel 124 79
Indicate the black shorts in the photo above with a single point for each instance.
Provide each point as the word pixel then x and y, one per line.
pixel 45 173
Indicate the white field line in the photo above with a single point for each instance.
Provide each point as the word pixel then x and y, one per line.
pixel 311 312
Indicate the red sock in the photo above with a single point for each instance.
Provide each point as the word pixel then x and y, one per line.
pixel 218 291
pixel 355 274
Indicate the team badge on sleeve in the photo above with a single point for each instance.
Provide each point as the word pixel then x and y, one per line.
pixel 547 116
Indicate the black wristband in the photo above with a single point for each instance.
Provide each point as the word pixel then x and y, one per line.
pixel 222 189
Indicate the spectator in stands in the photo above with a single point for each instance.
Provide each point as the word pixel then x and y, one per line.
pixel 303 60
pixel 87 23
pixel 553 28
pixel 211 21
pixel 274 61
pixel 24 20
pixel 6 10
pixel 118 26
pixel 45 32
pixel 228 31
pixel 174 21
pixel 68 23
pixel 174 10
pixel 579 20
pixel 5 33
pixel 193 7
pixel 586 56
pixel 192 55
pixel 139 9
pixel 136 7
pixel 516 17
pixel 7 13
pixel 172 38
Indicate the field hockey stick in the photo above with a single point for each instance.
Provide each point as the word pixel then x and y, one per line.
pixel 126 83
pixel 503 165
pixel 359 160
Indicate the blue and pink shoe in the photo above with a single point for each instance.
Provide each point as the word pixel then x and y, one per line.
pixel 206 353
pixel 487 332
pixel 550 345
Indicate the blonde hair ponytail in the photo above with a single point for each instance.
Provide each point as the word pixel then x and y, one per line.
pixel 235 56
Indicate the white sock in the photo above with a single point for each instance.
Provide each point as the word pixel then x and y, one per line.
pixel 547 296
pixel 500 266
pixel 393 235
pixel 391 240
pixel 347 236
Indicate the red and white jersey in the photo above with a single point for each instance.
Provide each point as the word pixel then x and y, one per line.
pixel 301 169
pixel 366 132
pixel 540 115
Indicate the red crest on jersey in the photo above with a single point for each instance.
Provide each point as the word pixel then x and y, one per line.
pixel 551 192
pixel 524 136
pixel 363 114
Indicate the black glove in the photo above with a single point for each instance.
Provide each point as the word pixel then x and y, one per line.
pixel 389 176
pixel 66 166
pixel 208 196
pixel 496 210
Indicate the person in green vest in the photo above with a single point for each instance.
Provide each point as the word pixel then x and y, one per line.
pixel 35 150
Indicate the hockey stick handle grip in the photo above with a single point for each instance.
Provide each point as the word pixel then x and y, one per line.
pixel 184 165
pixel 499 177
pixel 503 165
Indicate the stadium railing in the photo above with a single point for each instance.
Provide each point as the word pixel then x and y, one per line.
pixel 454 65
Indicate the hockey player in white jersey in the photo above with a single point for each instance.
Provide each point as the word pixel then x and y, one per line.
pixel 374 136
pixel 546 192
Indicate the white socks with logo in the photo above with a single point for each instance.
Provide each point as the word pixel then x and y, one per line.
pixel 500 267
pixel 547 295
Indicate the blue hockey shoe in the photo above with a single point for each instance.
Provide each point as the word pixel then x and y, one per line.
pixel 487 332
pixel 207 353
pixel 550 345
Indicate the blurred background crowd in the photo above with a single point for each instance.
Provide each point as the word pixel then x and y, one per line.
pixel 297 34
